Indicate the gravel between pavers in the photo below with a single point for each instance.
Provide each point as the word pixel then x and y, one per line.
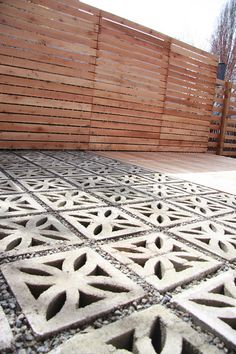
pixel 24 337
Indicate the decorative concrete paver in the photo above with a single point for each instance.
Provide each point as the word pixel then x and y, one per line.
pixel 163 262
pixel 69 199
pixel 6 336
pixel 192 188
pixel 16 165
pixel 91 181
pixel 68 288
pixel 9 187
pixel 120 195
pixel 136 170
pixel 51 163
pixel 202 206
pixel 160 213
pixel 2 176
pixel 211 236
pixel 34 172
pixel 149 225
pixel 160 190
pixel 104 222
pixel 105 170
pixel 224 198
pixel 214 304
pixel 130 179
pixel 228 220
pixel 32 233
pixel 18 204
pixel 70 172
pixel 87 164
pixel 155 330
pixel 45 184
pixel 161 178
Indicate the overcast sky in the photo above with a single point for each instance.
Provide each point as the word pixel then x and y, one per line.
pixel 191 21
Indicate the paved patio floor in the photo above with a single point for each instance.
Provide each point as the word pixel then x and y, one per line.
pixel 99 255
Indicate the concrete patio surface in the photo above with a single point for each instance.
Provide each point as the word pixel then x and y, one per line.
pixel 105 253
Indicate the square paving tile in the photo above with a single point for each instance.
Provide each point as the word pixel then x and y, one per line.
pixel 18 204
pixel 158 190
pixel 130 179
pixel 105 170
pixel 224 198
pixel 192 188
pixel 132 169
pixel 16 165
pixel 68 289
pixel 70 171
pixel 91 181
pixel 9 187
pixel 155 330
pixel 69 199
pixel 45 184
pixel 202 206
pixel 50 163
pixel 163 262
pixel 33 172
pixel 104 222
pixel 228 220
pixel 3 176
pixel 120 195
pixel 157 177
pixel 211 236
pixel 87 164
pixel 32 233
pixel 160 213
pixel 214 305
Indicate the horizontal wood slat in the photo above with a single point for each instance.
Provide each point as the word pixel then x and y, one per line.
pixel 73 76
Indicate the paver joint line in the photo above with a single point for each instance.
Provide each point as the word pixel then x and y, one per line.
pixel 86 239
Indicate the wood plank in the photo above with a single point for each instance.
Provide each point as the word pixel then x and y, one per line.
pixel 69 131
pixel 38 75
pixel 43 137
pixel 48 120
pixel 31 101
pixel 27 91
pixel 43 145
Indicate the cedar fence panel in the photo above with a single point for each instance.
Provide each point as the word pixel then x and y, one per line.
pixel 75 77
pixel 47 66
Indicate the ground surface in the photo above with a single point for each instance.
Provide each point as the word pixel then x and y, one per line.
pixel 213 171
pixel 102 256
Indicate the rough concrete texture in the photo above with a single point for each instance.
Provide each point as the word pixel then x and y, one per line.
pixel 150 331
pixel 224 198
pixel 192 188
pixel 159 190
pixel 104 222
pixel 68 199
pixel 120 194
pixel 161 261
pixel 211 236
pixel 32 233
pixel 160 213
pixel 68 288
pixel 214 304
pixel 86 241
pixel 6 336
pixel 202 206
pixel 18 204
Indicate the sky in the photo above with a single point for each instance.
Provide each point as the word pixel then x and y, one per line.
pixel 191 21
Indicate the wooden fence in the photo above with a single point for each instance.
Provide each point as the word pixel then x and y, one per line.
pixel 75 77
pixel 222 139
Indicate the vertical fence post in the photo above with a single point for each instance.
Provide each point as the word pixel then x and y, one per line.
pixel 224 118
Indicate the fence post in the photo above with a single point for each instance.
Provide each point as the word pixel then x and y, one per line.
pixel 224 118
